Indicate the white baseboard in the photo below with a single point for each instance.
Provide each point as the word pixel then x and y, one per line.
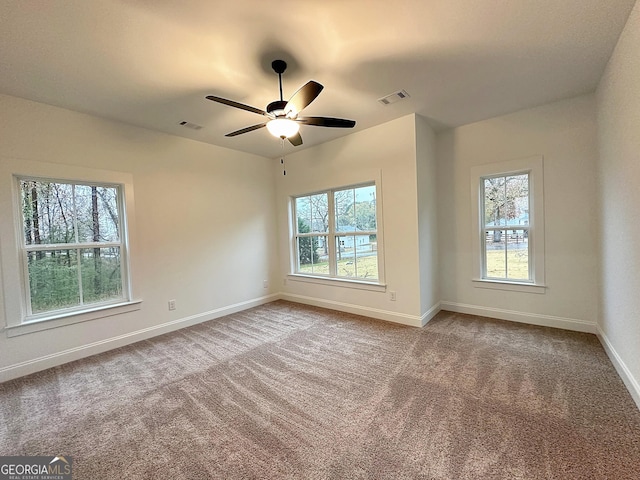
pixel 403 318
pixel 31 366
pixel 429 314
pixel 633 386
pixel 522 317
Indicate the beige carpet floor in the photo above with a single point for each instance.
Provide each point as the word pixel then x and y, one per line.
pixel 285 391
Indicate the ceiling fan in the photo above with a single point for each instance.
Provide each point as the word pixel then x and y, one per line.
pixel 283 120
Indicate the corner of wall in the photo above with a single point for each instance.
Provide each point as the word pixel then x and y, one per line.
pixel 633 386
pixel 617 107
pixel 427 218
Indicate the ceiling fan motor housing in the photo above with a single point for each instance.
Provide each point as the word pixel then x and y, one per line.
pixel 277 107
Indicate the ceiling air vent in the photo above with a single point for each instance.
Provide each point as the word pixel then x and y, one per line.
pixel 394 97
pixel 190 125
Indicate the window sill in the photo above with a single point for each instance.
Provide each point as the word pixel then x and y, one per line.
pixel 338 282
pixel 509 286
pixel 71 318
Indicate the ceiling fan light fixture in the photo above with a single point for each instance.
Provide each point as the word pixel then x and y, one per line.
pixel 283 127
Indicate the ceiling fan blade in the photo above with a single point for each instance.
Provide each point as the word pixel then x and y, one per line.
pixel 327 122
pixel 296 140
pixel 303 97
pixel 245 130
pixel 241 106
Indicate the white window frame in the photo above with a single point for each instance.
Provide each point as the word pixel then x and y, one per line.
pixel 15 284
pixel 533 166
pixel 332 278
pixel 76 246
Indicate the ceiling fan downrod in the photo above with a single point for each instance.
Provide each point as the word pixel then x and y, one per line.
pixel 279 66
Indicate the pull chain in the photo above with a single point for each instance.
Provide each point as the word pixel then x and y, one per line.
pixel 284 171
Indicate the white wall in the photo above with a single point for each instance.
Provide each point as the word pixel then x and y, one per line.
pixel 618 105
pixel 565 134
pixel 204 226
pixel 388 151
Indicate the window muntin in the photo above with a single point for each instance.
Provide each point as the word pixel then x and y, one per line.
pixel 505 202
pixel 336 233
pixel 72 247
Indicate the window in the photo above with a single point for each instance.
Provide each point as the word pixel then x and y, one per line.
pixel 509 225
pixel 54 273
pixel 336 234
pixel 72 246
pixel 505 223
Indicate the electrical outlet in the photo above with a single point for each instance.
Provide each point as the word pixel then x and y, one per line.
pixel 172 304
pixel 392 296
pixel 265 284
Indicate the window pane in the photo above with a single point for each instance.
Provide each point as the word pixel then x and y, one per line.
pixel 515 264
pixel 53 280
pixel 494 201
pixel 518 255
pixel 313 213
pixel 356 209
pixel 51 210
pixel 312 255
pixel 344 201
pixel 101 275
pixel 365 208
pixel 47 212
pixel 517 199
pixel 319 212
pixel 303 212
pixel 506 200
pixel 357 256
pixel 97 213
pixel 496 264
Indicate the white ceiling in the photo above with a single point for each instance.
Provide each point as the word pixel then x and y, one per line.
pixel 152 62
